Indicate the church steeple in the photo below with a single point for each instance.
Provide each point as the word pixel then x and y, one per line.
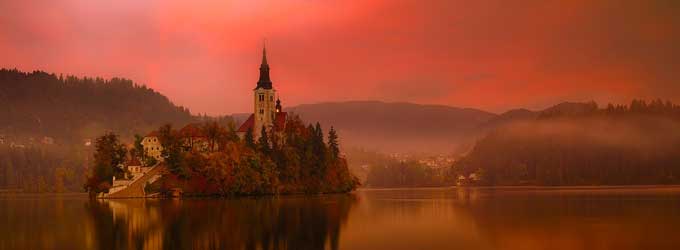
pixel 264 81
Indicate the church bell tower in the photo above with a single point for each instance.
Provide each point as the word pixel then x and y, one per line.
pixel 264 95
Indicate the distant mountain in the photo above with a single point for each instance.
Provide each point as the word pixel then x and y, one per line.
pixel 561 109
pixel 68 108
pixel 509 117
pixel 570 108
pixel 394 127
pixel 408 127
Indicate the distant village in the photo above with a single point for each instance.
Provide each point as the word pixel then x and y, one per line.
pixel 20 142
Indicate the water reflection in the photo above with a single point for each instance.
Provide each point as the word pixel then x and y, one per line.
pixel 444 218
pixel 516 218
pixel 248 223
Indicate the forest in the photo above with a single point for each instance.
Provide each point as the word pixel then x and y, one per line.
pixel 630 144
pixel 43 168
pixel 294 159
pixel 405 174
pixel 70 109
pixel 48 123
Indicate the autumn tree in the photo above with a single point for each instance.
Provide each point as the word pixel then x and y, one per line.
pixel 109 155
pixel 214 132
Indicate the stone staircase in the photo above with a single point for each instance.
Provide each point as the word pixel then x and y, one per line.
pixel 136 188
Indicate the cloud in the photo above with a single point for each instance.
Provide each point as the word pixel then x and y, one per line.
pixel 492 54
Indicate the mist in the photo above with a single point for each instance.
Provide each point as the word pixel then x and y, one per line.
pixel 589 149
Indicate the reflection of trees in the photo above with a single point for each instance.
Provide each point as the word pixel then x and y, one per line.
pixel 296 222
pixel 126 224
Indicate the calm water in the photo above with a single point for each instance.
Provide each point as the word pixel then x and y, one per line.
pixel 447 218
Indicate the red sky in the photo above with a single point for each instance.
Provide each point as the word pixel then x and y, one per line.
pixel 492 55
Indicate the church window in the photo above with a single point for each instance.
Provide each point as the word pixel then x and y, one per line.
pixel 261 97
pixel 261 111
pixel 271 98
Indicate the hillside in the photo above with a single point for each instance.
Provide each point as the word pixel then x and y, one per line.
pixel 395 127
pixel 71 109
pixel 581 144
pixel 509 117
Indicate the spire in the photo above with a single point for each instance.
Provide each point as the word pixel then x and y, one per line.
pixel 264 54
pixel 278 105
pixel 264 81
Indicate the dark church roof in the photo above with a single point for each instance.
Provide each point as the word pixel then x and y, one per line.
pixel 264 81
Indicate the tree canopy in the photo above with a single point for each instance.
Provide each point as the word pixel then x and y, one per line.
pixel 295 160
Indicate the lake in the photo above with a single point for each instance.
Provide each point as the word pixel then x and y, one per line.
pixel 428 218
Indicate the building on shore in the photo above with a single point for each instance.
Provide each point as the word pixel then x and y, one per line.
pixel 193 137
pixel 152 145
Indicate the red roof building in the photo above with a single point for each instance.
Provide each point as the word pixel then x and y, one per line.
pixel 134 162
pixel 192 130
pixel 279 123
pixel 248 124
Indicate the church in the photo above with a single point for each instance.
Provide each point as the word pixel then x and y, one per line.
pixel 267 111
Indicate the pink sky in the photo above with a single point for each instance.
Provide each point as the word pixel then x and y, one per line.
pixel 492 55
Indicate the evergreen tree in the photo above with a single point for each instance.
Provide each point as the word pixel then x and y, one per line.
pixel 172 150
pixel 263 142
pixel 249 139
pixel 138 147
pixel 318 133
pixel 333 143
pixel 109 154
pixel 319 147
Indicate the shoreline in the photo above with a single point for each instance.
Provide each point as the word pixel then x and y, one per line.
pixel 500 188
pixel 216 197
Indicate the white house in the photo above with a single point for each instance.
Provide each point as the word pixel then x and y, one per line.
pixel 152 146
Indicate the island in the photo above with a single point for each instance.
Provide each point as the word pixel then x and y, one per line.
pixel 271 153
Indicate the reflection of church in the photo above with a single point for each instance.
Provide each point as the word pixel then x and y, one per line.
pixel 273 223
pixel 267 113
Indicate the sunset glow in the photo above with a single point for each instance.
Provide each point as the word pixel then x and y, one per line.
pixel 493 55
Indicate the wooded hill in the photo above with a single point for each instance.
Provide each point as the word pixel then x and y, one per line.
pixel 581 144
pixel 70 109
